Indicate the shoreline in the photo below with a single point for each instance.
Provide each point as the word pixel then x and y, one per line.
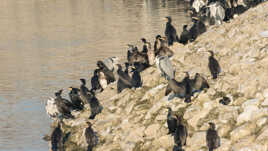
pixel 135 120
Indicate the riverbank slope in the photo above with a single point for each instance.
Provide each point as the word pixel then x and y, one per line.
pixel 135 120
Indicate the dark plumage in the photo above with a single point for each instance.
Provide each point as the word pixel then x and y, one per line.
pixel 63 105
pixel 187 83
pixel 213 66
pixel 181 133
pixel 136 78
pixel 157 44
pixel 95 84
pixel 89 97
pixel 57 139
pixel 197 29
pixel 91 138
pixel 133 55
pixel 212 138
pixel 176 87
pixel 199 83
pixel 109 75
pixel 145 46
pixel 171 121
pixel 170 32
pixel 177 148
pixel 225 100
pixel 124 80
pixel 75 98
pixel 184 35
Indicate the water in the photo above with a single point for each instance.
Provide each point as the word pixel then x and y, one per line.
pixel 46 45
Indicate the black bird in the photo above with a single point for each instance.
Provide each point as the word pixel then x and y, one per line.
pixel 145 46
pixel 136 78
pixel 187 83
pixel 63 105
pixel 170 32
pixel 57 139
pixel 95 84
pixel 89 97
pixel 157 44
pixel 213 65
pixel 225 100
pixel 75 98
pixel 212 138
pixel 184 35
pixel 181 133
pixel 124 81
pixel 171 121
pixel 108 73
pixel 133 55
pixel 197 29
pixel 162 48
pixel 178 88
pixel 199 83
pixel 91 138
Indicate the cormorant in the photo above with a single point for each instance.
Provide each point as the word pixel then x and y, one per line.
pixel 136 78
pixel 95 84
pixel 170 32
pixel 181 133
pixel 171 121
pixel 91 138
pixel 57 139
pixel 89 97
pixel 109 75
pixel 213 66
pixel 199 83
pixel 184 35
pixel 124 80
pixel 64 106
pixel 188 86
pixel 212 138
pixel 178 88
pixel 75 98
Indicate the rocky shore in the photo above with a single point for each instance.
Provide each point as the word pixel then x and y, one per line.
pixel 135 120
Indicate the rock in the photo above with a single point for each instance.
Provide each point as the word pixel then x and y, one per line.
pixel 156 107
pixel 265 102
pixel 127 146
pixel 152 130
pixel 262 121
pixel 165 141
pixel 265 93
pixel 263 137
pixel 252 102
pixel 242 131
pixel 251 113
pixel 224 130
pixel 225 145
pixel 153 91
pixel 136 135
pixel 198 140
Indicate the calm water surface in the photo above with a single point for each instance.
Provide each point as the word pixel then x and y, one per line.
pixel 46 45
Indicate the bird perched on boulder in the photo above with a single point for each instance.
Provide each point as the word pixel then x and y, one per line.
pixel 170 32
pixel 181 133
pixel 91 137
pixel 213 65
pixel 212 137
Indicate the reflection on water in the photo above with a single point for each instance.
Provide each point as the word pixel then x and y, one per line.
pixel 46 45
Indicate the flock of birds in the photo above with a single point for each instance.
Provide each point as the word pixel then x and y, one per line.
pixel 110 71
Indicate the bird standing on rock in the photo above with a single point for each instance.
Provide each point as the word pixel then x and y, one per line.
pixel 165 67
pixel 91 138
pixel 184 35
pixel 171 121
pixel 75 98
pixel 187 82
pixel 64 106
pixel 57 139
pixel 181 133
pixel 170 32
pixel 213 65
pixel 199 83
pixel 212 138
pixel 89 98
pixel 124 80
